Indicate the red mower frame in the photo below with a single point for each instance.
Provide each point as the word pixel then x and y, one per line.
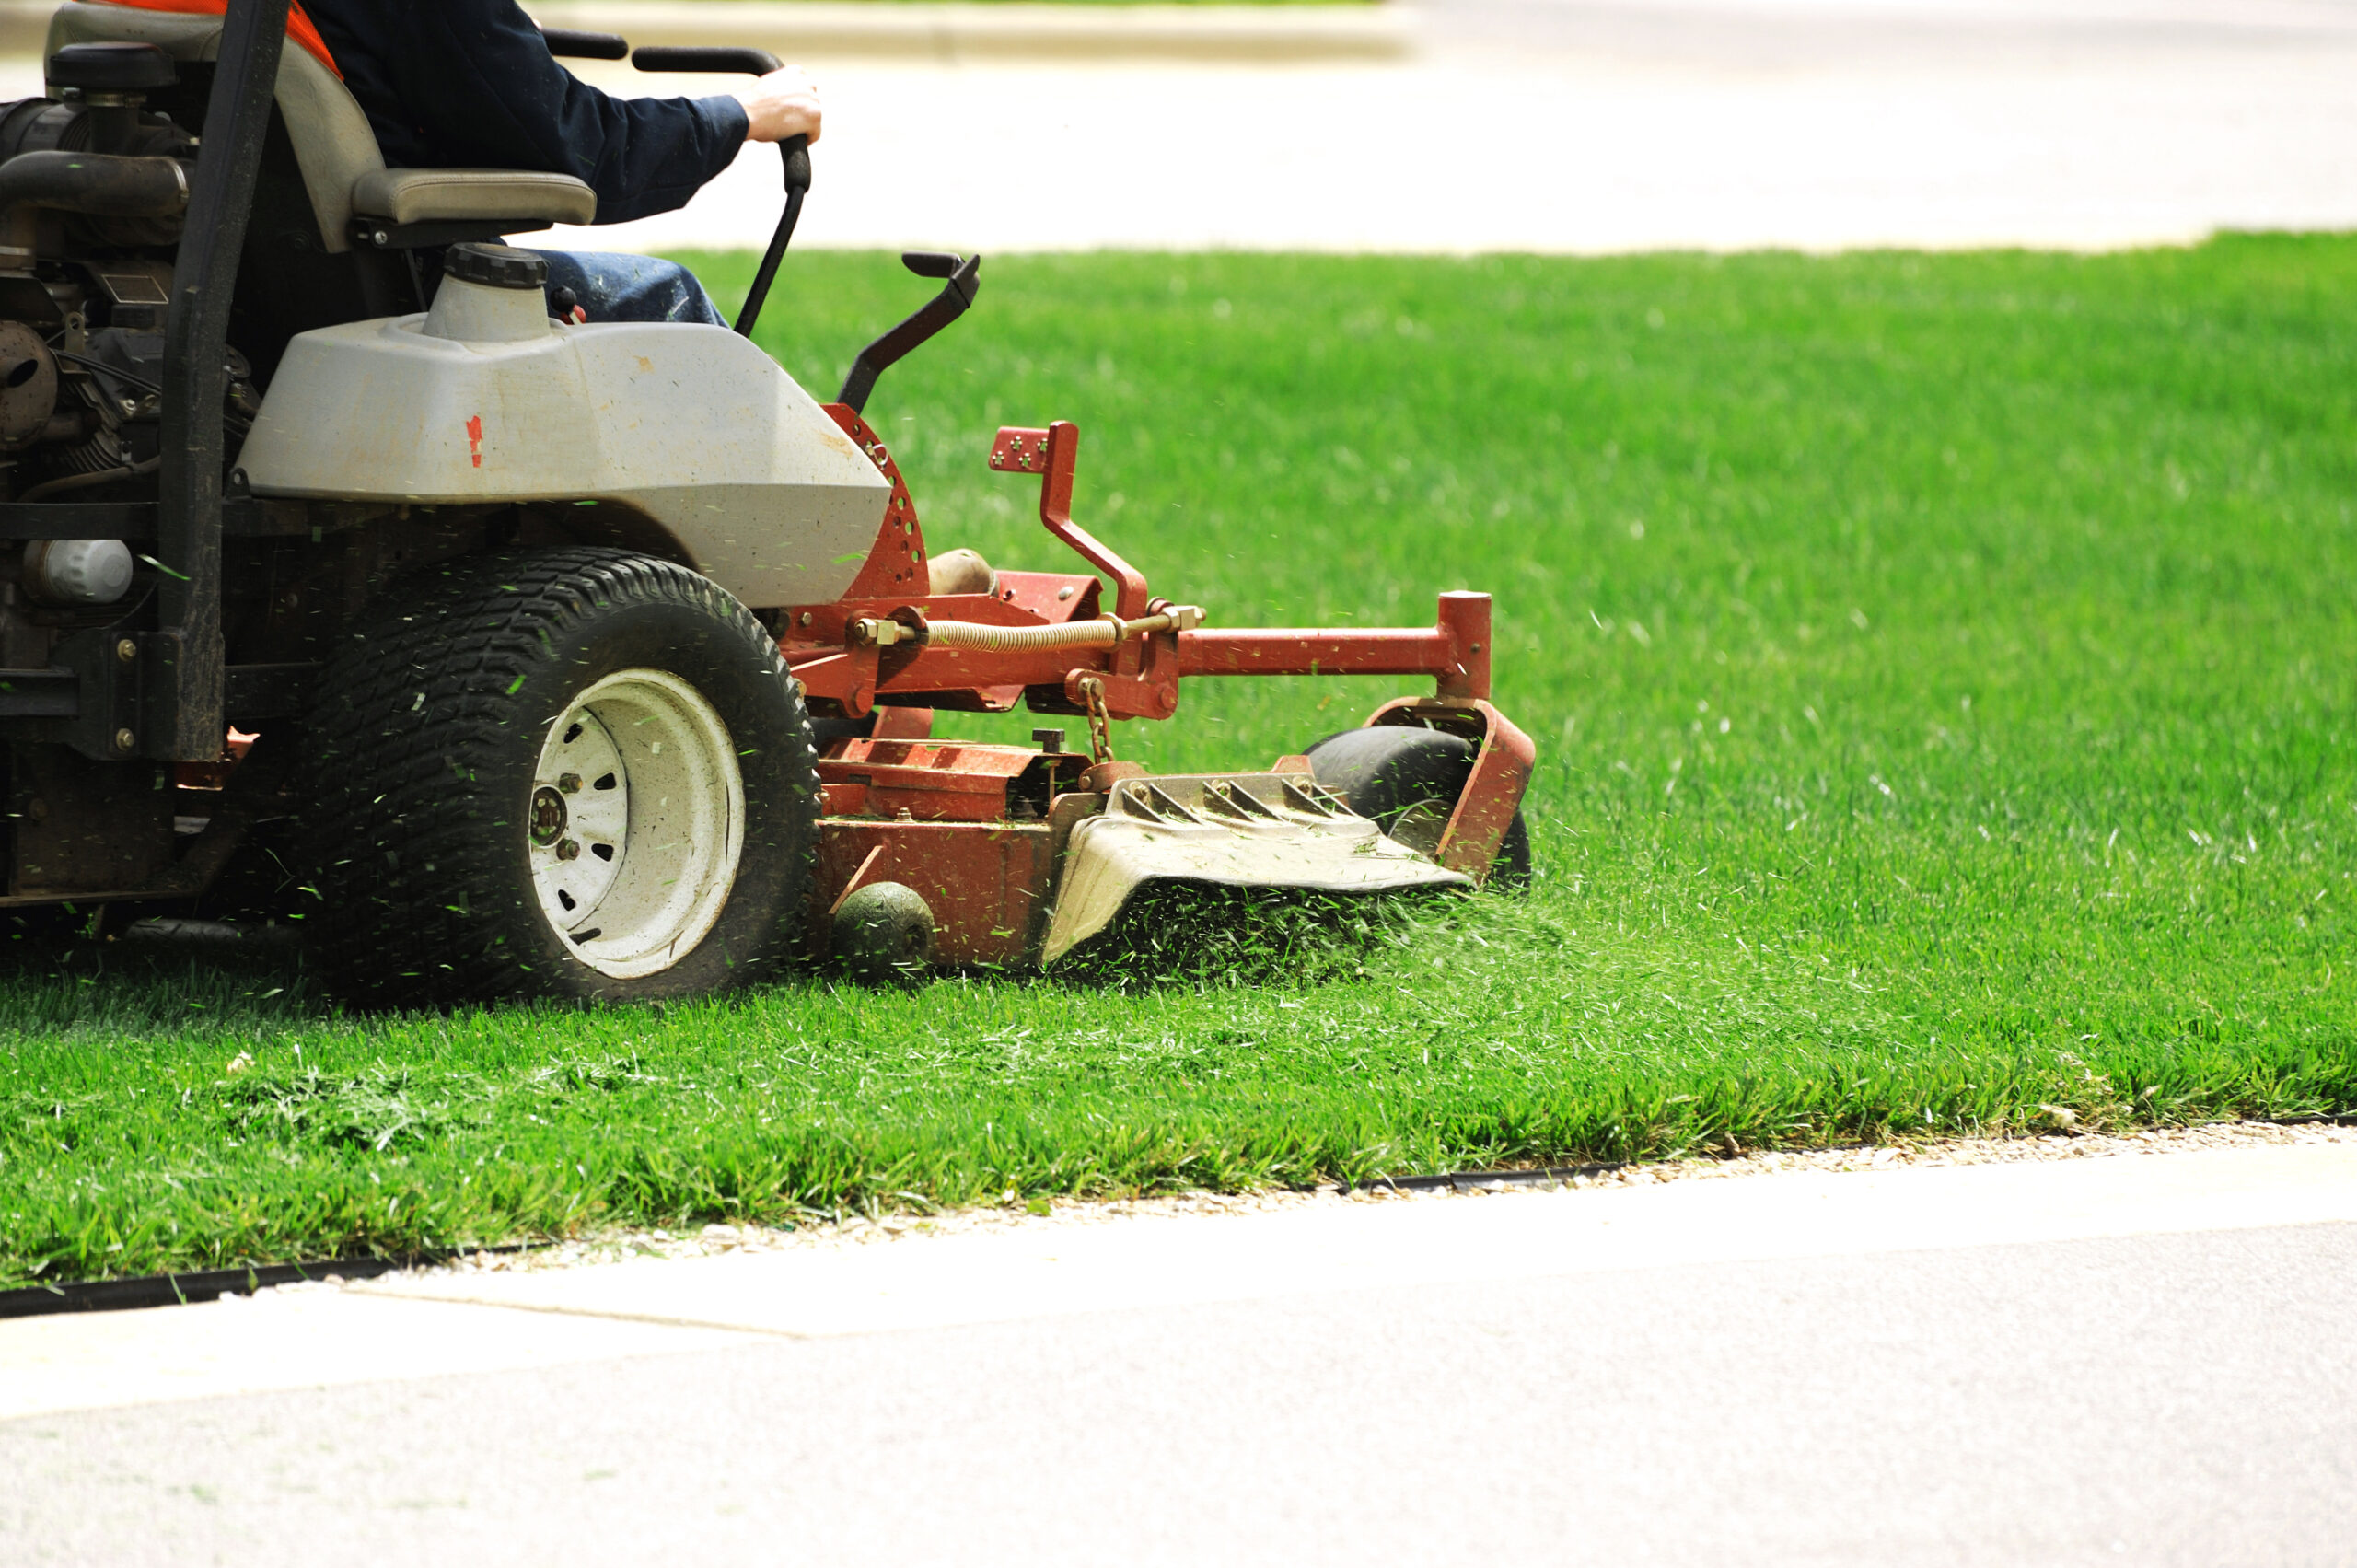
pixel 978 830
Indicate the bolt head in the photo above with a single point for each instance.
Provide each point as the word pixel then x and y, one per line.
pixel 126 650
pixel 125 740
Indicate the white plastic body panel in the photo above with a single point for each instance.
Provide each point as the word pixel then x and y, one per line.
pixel 689 426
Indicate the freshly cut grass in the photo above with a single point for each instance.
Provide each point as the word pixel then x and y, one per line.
pixel 1940 671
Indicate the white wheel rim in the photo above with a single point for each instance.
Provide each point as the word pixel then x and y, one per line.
pixel 635 823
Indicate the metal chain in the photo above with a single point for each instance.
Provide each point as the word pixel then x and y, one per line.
pixel 1100 726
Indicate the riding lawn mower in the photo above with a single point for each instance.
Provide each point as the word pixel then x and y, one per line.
pixel 561 657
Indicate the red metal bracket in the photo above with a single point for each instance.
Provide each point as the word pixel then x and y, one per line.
pixel 1493 790
pixel 896 561
pixel 1053 454
pixel 1154 695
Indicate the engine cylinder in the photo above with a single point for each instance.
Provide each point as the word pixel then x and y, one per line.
pixel 28 385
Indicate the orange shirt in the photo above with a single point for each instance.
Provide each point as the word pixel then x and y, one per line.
pixel 298 22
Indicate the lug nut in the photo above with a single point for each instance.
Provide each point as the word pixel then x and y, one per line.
pixel 568 849
pixel 569 783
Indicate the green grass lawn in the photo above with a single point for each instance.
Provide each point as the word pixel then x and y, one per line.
pixel 1941 672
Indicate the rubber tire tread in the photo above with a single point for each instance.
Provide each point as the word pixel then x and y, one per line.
pixel 1384 770
pixel 425 891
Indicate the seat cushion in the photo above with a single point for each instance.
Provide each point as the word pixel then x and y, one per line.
pixel 460 195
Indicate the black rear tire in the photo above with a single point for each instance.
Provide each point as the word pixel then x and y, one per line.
pixel 1406 781
pixel 433 838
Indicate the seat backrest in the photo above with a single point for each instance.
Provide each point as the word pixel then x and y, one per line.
pixel 333 144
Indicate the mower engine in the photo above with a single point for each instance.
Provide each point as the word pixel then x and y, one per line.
pixel 85 295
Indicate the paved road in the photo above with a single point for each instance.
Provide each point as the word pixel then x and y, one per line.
pixel 1575 125
pixel 1776 1370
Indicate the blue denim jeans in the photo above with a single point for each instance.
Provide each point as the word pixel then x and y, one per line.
pixel 614 286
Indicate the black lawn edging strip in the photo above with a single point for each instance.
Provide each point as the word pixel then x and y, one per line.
pixel 207 1284
pixel 1486 1180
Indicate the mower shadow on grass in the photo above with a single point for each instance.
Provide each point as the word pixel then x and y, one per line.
pixel 61 967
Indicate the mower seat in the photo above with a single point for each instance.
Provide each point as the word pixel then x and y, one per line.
pixel 344 172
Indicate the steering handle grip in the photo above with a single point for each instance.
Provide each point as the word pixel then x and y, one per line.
pixel 681 57
pixel 795 150
pixel 571 43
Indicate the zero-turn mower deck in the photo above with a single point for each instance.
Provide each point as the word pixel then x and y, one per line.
pixel 1019 855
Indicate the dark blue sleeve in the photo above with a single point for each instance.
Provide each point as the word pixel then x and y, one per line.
pixel 471 84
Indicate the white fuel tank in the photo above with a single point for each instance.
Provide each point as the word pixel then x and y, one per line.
pixel 484 399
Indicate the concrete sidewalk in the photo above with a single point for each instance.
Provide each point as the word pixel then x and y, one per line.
pixel 413 1325
pixel 2141 1358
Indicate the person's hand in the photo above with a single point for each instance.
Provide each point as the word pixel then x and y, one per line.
pixel 783 103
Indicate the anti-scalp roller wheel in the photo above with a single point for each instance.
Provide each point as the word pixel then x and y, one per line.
pixel 1406 781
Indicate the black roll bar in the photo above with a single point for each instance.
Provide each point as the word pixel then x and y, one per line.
pixel 186 694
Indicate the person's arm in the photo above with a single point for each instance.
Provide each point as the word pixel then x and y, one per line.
pixel 481 90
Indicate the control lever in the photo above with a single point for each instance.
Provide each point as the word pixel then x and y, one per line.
pixel 571 43
pixel 794 151
pixel 955 296
pixel 711 62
